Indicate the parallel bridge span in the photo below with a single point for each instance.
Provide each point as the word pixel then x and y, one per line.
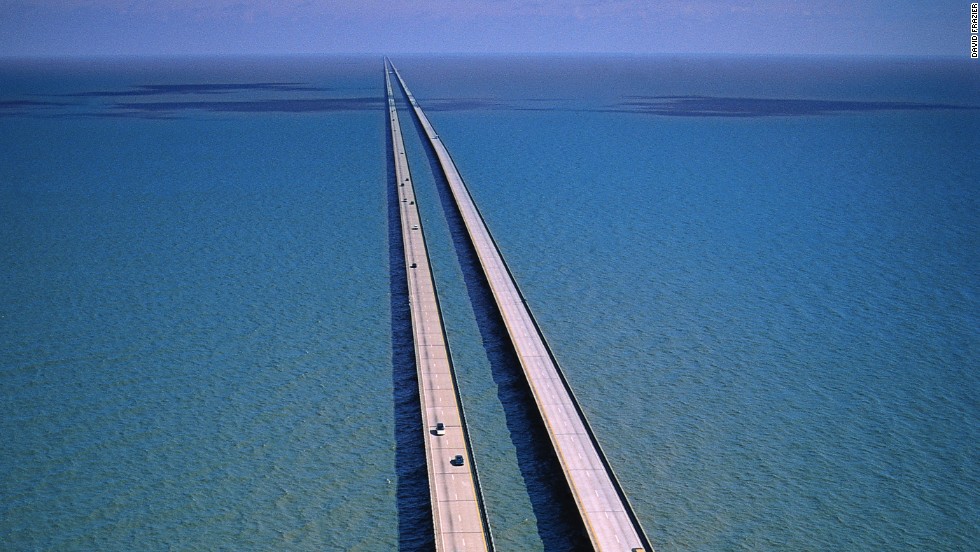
pixel 458 514
pixel 606 512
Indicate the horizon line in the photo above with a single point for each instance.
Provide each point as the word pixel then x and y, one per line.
pixel 107 56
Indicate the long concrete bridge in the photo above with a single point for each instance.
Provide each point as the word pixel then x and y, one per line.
pixel 606 512
pixel 458 515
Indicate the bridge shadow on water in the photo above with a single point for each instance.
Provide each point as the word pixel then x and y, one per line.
pixel 560 526
pixel 415 531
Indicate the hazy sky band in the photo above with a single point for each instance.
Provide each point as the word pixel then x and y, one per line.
pixel 155 27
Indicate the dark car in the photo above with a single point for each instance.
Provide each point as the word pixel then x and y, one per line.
pixel 457 461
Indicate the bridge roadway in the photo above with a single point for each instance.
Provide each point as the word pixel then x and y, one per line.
pixel 608 517
pixel 458 515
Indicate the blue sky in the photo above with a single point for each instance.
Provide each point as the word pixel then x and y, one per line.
pixel 155 27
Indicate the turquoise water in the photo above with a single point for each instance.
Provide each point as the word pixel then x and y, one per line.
pixel 767 303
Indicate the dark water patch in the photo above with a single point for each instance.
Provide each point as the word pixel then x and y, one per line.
pixel 209 88
pixel 27 107
pixel 488 104
pixel 463 104
pixel 415 530
pixel 167 110
pixel 19 104
pixel 559 524
pixel 163 116
pixel 316 105
pixel 710 106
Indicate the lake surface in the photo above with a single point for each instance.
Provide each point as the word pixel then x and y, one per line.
pixel 761 276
